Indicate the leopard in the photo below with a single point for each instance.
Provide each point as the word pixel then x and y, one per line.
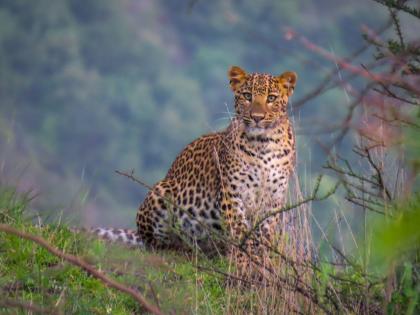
pixel 223 181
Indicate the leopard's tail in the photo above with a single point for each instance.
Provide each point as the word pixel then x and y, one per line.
pixel 125 236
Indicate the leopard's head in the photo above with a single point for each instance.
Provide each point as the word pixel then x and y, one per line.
pixel 261 99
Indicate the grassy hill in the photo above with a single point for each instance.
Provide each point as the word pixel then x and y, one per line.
pixel 34 281
pixel 30 274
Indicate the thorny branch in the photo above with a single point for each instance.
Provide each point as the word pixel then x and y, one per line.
pixel 400 5
pixel 382 78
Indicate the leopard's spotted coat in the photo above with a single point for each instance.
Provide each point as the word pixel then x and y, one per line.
pixel 222 181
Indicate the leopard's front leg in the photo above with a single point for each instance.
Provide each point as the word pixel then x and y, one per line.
pixel 243 246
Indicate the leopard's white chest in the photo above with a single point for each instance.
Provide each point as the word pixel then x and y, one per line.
pixel 262 181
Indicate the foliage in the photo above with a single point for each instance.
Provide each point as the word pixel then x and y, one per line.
pixel 398 238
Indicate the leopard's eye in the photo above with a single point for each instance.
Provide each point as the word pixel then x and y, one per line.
pixel 248 96
pixel 271 98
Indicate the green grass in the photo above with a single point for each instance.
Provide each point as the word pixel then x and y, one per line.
pixel 30 273
pixel 179 283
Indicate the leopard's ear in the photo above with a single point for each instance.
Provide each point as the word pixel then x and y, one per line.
pixel 237 77
pixel 287 82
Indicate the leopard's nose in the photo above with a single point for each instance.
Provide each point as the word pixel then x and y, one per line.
pixel 257 117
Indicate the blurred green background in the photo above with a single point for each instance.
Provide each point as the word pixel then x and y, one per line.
pixel 91 86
